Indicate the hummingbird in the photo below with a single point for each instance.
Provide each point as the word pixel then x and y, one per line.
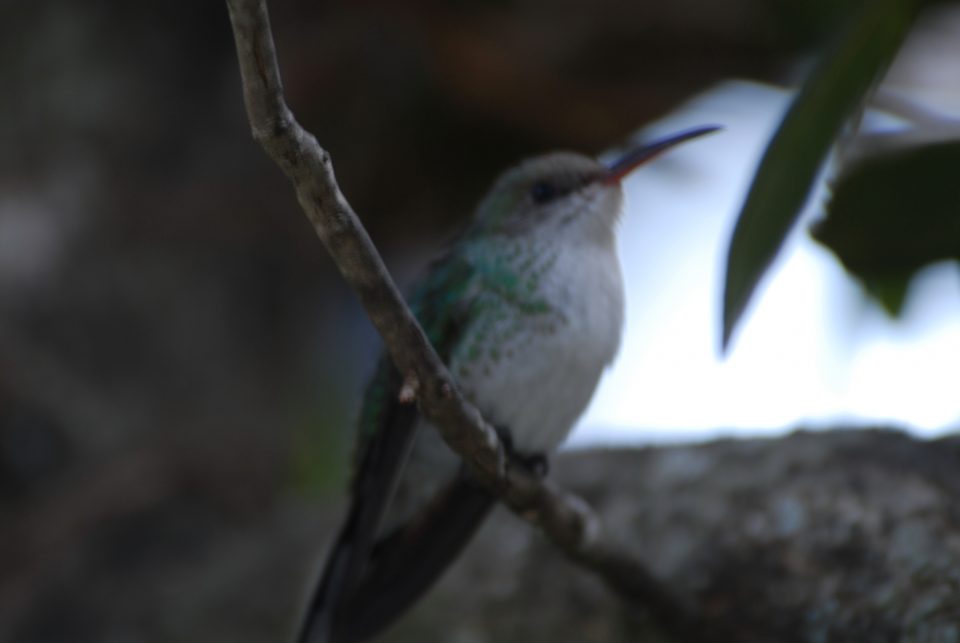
pixel 526 310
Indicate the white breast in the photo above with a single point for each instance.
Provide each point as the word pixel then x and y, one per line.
pixel 542 375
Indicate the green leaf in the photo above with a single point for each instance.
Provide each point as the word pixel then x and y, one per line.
pixel 889 293
pixel 892 214
pixel 834 91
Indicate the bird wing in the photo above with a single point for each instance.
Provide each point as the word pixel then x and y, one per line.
pixel 366 583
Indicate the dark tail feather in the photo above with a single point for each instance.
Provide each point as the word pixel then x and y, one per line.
pixel 406 563
pixel 350 556
pixel 315 626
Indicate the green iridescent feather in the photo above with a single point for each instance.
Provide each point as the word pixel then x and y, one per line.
pixel 440 305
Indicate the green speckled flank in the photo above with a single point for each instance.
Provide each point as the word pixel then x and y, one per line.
pixel 474 301
pixel 499 274
pixel 473 353
pixel 514 275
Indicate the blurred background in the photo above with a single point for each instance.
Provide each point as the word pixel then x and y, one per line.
pixel 180 364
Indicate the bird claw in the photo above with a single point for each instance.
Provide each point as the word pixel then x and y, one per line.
pixel 536 464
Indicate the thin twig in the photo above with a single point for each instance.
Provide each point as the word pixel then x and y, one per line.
pixel 565 519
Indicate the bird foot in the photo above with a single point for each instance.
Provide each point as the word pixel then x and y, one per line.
pixel 536 464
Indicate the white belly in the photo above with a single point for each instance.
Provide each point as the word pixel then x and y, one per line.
pixel 540 370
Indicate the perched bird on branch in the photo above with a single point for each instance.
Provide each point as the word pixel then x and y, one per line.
pixel 526 311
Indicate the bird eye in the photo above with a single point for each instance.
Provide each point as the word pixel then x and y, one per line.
pixel 542 192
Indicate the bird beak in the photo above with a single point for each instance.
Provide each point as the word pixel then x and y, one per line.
pixel 640 155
